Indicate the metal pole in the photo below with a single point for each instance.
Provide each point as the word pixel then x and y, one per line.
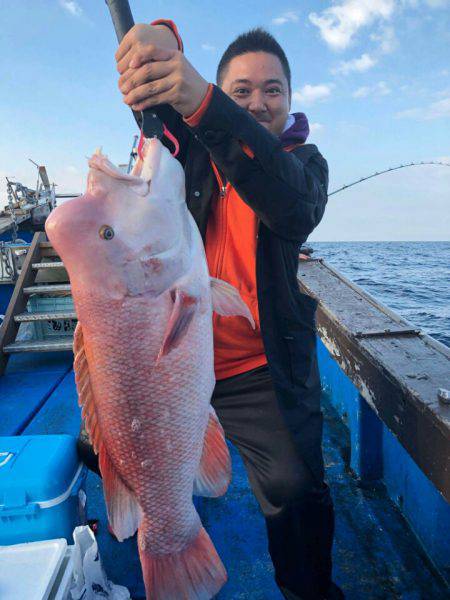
pixel 132 154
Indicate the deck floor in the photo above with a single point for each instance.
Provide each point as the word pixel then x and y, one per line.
pixel 376 556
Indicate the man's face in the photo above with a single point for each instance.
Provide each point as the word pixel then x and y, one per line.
pixel 256 81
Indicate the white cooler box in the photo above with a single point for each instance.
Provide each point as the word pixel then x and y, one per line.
pixel 36 571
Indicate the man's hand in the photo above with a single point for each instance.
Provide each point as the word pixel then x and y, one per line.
pixel 154 72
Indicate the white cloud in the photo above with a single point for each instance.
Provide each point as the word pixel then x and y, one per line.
pixel 439 109
pixel 309 94
pixel 430 3
pixel 287 17
pixel 338 24
pixel 379 89
pixel 315 127
pixel 410 113
pixel 361 64
pixel 382 88
pixel 436 110
pixel 442 93
pixel 361 92
pixel 72 7
pixel 438 3
pixel 208 47
pixel 386 39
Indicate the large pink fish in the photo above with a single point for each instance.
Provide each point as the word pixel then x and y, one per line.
pixel 144 362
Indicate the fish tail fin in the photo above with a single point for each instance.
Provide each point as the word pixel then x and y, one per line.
pixel 194 573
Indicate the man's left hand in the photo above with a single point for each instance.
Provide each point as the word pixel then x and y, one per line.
pixel 158 75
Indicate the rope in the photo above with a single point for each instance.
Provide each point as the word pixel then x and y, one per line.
pixel 173 139
pixel 169 135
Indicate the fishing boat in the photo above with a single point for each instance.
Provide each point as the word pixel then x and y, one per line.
pixel 386 436
pixel 386 443
pixel 25 212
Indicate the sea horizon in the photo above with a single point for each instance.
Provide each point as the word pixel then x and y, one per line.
pixel 409 277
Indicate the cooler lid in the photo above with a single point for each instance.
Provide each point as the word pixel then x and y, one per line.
pixel 35 468
pixel 29 570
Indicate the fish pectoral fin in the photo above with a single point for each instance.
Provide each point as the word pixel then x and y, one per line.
pixel 84 389
pixel 214 472
pixel 124 511
pixel 183 311
pixel 227 301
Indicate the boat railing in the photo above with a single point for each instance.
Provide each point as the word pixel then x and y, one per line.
pixel 399 370
pixel 389 381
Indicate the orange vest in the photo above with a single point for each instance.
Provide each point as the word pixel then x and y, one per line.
pixel 231 254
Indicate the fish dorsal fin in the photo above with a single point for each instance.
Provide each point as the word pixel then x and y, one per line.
pixel 214 471
pixel 85 394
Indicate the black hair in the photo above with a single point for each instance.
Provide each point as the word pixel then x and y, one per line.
pixel 255 40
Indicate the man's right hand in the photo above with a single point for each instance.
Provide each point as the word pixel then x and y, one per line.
pixel 139 37
pixel 154 71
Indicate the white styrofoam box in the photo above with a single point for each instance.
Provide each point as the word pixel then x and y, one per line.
pixel 29 570
pixel 63 582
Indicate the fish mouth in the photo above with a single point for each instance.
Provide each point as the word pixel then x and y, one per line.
pixel 101 162
pixel 100 165
pixel 149 159
pixel 141 176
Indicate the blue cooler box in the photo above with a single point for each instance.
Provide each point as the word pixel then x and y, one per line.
pixel 41 488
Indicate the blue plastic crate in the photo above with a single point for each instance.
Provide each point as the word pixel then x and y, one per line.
pixel 41 488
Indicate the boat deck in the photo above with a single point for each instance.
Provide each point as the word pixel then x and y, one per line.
pixel 376 555
pixel 6 223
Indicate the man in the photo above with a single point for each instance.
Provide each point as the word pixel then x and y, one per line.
pixel 256 192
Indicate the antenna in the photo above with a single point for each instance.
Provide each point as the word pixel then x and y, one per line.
pixel 411 164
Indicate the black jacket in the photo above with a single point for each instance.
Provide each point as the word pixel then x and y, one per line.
pixel 288 192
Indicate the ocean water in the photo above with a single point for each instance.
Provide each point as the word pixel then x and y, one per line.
pixel 411 278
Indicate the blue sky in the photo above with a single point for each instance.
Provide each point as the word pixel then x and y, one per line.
pixel 373 76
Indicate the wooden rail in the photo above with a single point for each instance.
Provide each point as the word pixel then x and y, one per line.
pixel 397 369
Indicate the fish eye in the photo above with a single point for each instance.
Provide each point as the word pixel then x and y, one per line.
pixel 106 232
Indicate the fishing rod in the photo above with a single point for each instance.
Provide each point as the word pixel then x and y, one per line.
pixel 148 121
pixel 411 164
